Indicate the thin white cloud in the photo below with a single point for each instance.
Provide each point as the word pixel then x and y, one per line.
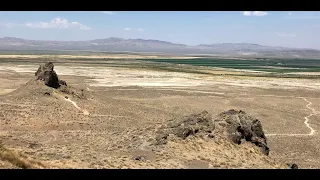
pixel 246 13
pixel 58 23
pixel 290 13
pixel 130 29
pixel 254 13
pixel 108 12
pixel 289 35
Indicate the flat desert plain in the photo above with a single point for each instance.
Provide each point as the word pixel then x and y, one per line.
pixel 124 95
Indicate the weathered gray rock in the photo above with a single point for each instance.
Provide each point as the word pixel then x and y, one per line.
pixel 241 127
pixel 49 76
pixel 186 126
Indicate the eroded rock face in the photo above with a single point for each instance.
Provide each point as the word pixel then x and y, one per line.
pixel 49 76
pixel 235 125
pixel 183 127
pixel 241 127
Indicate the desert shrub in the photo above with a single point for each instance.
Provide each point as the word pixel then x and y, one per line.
pixel 16 159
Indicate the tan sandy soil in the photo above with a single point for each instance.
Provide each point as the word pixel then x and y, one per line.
pixel 108 130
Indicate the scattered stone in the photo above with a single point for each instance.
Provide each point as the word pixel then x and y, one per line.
pixel 47 93
pixel 143 155
pixel 211 135
pixel 140 158
pixel 292 166
pixel 62 82
pixel 82 94
pixel 161 138
pixel 72 91
pixel 34 145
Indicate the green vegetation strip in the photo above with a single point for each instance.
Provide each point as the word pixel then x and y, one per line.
pixel 265 65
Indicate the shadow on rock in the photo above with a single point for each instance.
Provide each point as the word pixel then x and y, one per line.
pixel 234 125
pixel 199 124
pixel 48 75
pixel 50 78
pixel 241 127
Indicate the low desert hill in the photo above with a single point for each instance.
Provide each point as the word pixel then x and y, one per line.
pixel 231 139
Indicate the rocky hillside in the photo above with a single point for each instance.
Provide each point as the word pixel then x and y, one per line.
pixel 231 139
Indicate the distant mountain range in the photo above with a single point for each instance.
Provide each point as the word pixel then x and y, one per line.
pixel 155 46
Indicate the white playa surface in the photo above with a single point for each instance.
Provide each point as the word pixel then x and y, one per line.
pixel 116 76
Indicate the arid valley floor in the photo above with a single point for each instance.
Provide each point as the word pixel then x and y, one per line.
pixel 125 98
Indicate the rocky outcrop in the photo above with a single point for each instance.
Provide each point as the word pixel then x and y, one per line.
pixel 194 124
pixel 46 74
pixel 236 126
pixel 49 76
pixel 239 127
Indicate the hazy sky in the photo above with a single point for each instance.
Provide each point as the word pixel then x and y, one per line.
pixel 276 28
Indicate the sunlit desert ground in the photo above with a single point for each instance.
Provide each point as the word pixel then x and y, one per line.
pixel 126 94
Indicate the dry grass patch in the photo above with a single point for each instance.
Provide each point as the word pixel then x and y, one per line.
pixel 18 159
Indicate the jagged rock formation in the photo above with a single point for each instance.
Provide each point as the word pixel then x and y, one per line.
pixel 200 124
pixel 49 76
pixel 46 83
pixel 241 127
pixel 235 125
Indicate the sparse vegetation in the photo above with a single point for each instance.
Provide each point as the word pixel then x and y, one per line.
pixel 17 160
pixel 265 65
pixel 113 127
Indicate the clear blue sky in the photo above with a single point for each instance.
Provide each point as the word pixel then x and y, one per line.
pixel 275 28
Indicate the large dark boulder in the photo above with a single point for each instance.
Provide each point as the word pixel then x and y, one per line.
pixel 232 124
pixel 241 127
pixel 49 76
pixel 193 124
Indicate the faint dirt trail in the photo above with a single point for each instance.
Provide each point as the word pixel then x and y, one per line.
pixel 306 122
pixel 85 112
